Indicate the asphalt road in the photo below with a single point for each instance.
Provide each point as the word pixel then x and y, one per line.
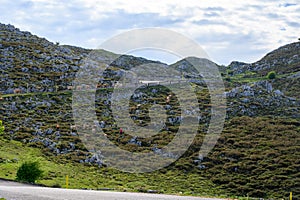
pixel 16 191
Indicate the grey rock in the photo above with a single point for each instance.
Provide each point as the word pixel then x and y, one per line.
pixel 278 92
pixel 245 100
pixel 49 131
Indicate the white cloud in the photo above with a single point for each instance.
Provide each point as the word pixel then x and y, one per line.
pixel 243 30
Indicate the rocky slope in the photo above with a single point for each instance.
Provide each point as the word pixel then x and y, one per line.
pixel 32 64
pixel 283 60
pixel 259 144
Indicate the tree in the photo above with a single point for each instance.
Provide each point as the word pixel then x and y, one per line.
pixel 1 128
pixel 29 172
pixel 271 75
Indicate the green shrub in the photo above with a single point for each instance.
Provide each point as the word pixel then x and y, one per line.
pixel 1 128
pixel 29 172
pixel 227 78
pixel 271 75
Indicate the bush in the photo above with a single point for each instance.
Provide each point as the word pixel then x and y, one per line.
pixel 271 75
pixel 29 172
pixel 1 128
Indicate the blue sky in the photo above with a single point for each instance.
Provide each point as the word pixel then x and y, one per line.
pixel 227 30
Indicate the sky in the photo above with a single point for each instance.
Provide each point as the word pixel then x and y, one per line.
pixel 227 30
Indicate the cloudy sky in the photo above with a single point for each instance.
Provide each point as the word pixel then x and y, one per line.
pixel 227 30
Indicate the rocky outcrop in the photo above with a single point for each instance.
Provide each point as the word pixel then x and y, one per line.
pixel 236 67
pixel 259 99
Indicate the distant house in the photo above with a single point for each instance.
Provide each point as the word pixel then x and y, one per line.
pixel 150 82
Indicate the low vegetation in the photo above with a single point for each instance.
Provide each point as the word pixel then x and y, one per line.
pixel 29 172
pixel 250 156
pixel 1 128
pixel 271 75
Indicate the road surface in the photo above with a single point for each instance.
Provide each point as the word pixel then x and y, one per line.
pixel 15 191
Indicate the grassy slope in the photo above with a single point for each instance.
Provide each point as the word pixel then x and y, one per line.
pixel 13 153
pixel 258 156
pixel 254 156
pixel 171 181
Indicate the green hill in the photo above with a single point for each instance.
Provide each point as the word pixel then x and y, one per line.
pixel 257 153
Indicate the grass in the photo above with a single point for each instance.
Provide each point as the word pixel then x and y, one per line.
pixel 237 147
pixel 258 146
pixel 13 153
pixel 245 142
pixel 259 153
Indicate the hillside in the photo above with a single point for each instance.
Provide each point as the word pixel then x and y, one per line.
pixel 285 61
pixel 256 155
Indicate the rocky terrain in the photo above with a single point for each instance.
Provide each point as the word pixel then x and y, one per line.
pixel 257 153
